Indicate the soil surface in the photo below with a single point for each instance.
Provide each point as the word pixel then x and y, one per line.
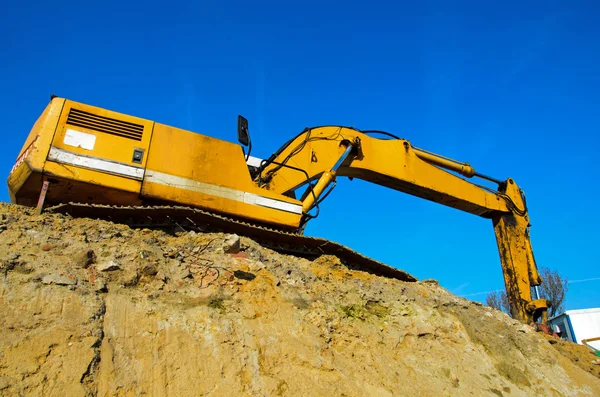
pixel 92 308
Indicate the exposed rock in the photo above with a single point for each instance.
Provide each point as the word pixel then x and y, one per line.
pixel 131 278
pixel 33 233
pixel 149 270
pixel 244 275
pixel 46 247
pixel 84 258
pixel 183 273
pixel 100 286
pixel 59 279
pixel 255 266
pixel 179 322
pixel 108 266
pixel 151 241
pixel 232 244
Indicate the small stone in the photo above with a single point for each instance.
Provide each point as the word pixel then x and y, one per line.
pixel 59 279
pixel 21 266
pixel 255 266
pixel 149 270
pixel 33 233
pixel 131 279
pixel 105 236
pixel 185 273
pixel 244 275
pixel 161 276
pixel 100 286
pixel 430 281
pixel 46 247
pixel 231 244
pixel 157 285
pixel 108 266
pixel 526 329
pixel 84 258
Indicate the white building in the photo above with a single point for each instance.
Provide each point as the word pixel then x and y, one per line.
pixel 578 326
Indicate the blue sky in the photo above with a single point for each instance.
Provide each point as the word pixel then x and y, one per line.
pixel 511 87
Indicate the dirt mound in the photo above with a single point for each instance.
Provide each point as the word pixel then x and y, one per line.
pixel 582 356
pixel 93 308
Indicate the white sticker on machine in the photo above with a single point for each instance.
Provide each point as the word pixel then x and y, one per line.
pixel 79 139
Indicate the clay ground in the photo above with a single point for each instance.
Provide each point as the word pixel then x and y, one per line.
pixel 90 308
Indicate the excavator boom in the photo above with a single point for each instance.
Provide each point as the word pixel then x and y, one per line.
pixel 81 159
pixel 326 152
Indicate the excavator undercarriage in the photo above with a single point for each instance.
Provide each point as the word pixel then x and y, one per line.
pixel 173 217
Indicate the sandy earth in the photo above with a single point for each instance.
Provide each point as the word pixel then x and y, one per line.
pixel 92 308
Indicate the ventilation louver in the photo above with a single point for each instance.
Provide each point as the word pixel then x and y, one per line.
pixel 107 125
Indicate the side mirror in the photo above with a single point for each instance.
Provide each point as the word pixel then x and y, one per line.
pixel 242 130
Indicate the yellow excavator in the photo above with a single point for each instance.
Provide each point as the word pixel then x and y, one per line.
pixel 88 161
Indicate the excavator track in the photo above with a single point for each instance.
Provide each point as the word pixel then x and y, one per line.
pixel 187 218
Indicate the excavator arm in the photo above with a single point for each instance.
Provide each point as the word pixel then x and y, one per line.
pixel 314 159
